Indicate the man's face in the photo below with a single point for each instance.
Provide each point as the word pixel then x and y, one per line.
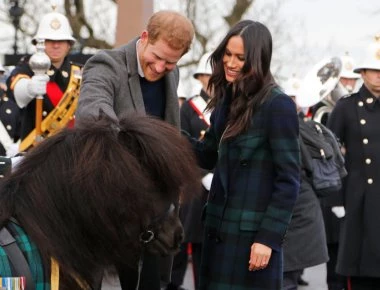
pixel 349 84
pixel 57 49
pixel 371 80
pixel 157 59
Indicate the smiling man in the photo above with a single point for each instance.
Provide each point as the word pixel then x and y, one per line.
pixel 139 77
pixel 23 86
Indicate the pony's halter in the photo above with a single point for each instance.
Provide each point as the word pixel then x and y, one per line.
pixel 148 235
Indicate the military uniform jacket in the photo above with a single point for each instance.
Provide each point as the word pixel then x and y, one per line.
pixel 355 120
pixel 190 213
pixel 111 86
pixel 10 117
pixel 59 80
pixel 255 185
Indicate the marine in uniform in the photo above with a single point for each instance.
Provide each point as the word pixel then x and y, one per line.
pixel 332 206
pixel 355 120
pixel 24 86
pixel 9 121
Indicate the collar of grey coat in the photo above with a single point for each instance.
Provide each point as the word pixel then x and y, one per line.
pixel 171 84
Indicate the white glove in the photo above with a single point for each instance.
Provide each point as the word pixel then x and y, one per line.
pixel 25 90
pixel 37 85
pixel 13 149
pixel 207 180
pixel 339 211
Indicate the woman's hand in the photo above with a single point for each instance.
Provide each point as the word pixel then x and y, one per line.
pixel 260 255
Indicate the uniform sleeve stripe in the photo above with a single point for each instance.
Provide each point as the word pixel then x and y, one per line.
pixel 17 78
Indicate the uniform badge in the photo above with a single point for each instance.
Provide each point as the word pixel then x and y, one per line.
pixel 348 65
pixel 50 72
pixel 55 24
pixel 369 100
pixel 378 54
pixel 65 74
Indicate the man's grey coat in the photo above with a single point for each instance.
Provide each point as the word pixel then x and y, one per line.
pixel 111 84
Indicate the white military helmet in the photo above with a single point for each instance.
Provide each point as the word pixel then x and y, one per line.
pixel 204 66
pixel 348 67
pixel 372 57
pixel 54 26
pixel 291 86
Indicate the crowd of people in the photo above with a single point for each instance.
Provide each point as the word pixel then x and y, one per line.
pixel 254 221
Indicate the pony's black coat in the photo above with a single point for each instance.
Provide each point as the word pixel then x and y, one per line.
pixel 85 194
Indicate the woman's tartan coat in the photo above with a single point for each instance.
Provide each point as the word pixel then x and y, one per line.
pixel 255 185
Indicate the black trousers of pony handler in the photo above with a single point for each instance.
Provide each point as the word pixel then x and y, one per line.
pixel 150 275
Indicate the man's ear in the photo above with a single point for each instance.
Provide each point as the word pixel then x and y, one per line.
pixel 144 36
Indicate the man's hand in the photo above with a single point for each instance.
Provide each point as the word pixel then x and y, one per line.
pixel 37 85
pixel 260 255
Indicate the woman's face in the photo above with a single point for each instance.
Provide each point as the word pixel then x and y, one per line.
pixel 233 58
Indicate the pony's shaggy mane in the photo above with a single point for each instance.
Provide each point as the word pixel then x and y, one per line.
pixel 85 194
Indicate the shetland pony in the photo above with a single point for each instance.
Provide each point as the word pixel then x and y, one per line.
pixel 97 195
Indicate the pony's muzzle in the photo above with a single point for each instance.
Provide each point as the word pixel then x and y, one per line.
pixel 179 236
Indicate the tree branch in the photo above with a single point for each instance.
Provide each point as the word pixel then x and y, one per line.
pixel 240 7
pixel 78 21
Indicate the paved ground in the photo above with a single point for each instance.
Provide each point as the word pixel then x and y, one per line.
pixel 315 276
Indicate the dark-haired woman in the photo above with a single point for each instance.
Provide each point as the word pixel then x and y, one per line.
pixel 253 144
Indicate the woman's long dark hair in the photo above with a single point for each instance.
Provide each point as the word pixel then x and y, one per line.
pixel 255 82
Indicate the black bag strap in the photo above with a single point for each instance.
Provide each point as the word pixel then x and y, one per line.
pixel 16 257
pixel 314 138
